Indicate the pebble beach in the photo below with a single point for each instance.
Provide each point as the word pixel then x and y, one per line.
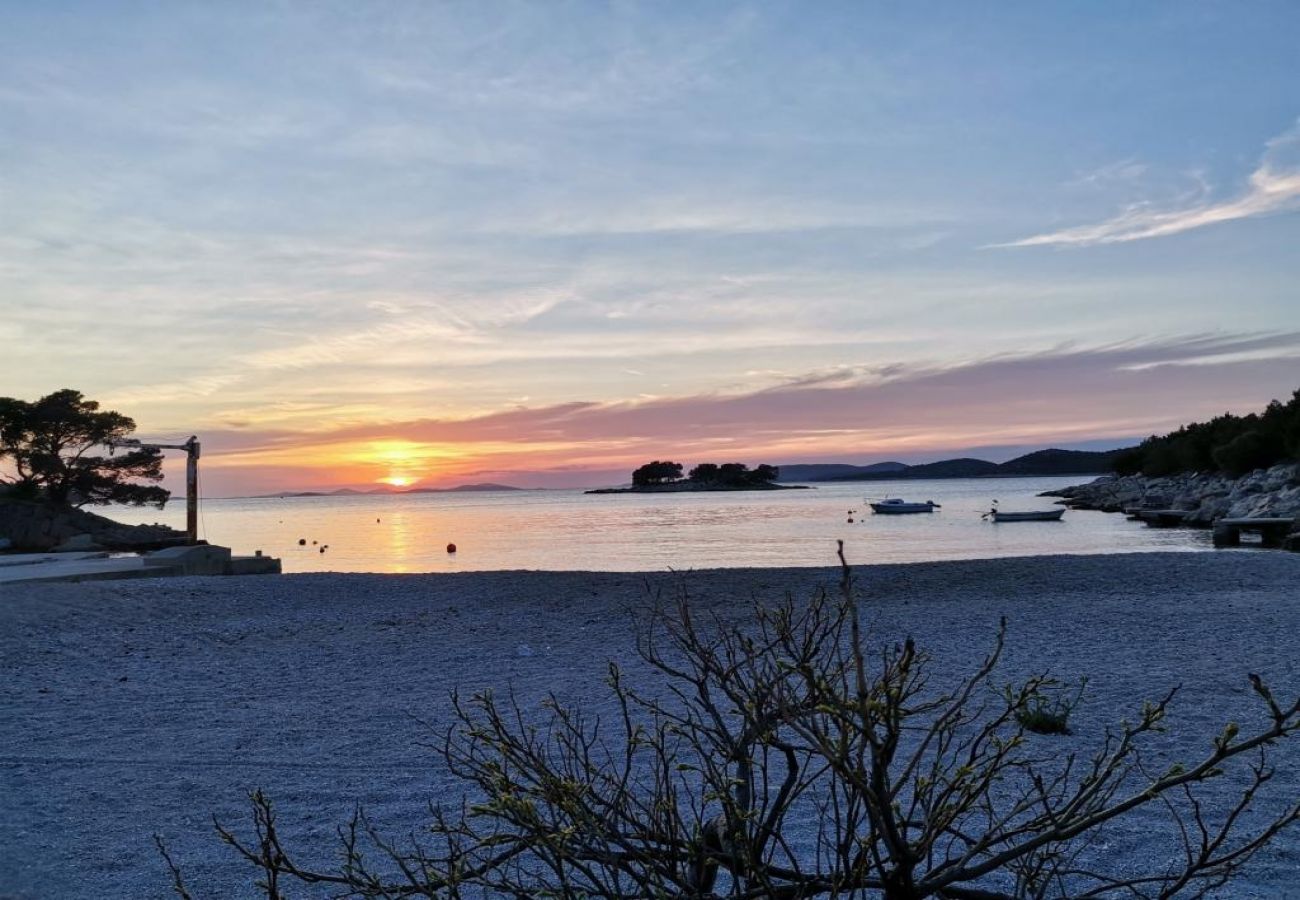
pixel 132 708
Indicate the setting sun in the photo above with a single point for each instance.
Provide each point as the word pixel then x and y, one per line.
pixel 398 480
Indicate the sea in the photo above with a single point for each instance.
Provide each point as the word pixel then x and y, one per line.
pixel 572 530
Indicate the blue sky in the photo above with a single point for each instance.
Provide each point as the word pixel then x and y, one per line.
pixel 332 238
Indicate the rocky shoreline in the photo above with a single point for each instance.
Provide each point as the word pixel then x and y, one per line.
pixel 33 527
pixel 1205 497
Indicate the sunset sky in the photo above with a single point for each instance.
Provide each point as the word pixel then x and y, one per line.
pixel 541 243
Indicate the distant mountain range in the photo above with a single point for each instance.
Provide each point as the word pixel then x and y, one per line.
pixel 348 492
pixel 1041 462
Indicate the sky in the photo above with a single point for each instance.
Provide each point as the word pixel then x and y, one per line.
pixel 357 244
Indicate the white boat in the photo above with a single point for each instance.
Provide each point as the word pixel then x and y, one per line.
pixel 1037 515
pixel 895 506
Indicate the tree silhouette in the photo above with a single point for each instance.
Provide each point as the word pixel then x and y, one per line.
pixel 657 473
pixel 50 444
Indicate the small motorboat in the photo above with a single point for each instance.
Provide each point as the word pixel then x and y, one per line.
pixel 1036 515
pixel 896 506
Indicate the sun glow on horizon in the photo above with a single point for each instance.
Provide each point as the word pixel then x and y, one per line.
pixel 397 480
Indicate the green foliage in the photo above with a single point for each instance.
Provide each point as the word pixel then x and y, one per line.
pixel 1128 462
pixel 1228 443
pixel 48 444
pixel 1246 452
pixel 1046 711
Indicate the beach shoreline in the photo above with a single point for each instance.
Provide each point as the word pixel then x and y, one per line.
pixel 137 707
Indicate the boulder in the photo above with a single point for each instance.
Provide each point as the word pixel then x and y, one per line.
pixel 78 543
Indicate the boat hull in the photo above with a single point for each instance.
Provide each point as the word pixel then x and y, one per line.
pixel 1053 515
pixel 902 509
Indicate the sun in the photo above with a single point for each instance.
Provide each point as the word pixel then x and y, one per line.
pixel 398 480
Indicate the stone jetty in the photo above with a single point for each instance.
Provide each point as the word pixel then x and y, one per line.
pixel 1197 499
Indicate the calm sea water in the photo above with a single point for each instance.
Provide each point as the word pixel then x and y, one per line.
pixel 654 532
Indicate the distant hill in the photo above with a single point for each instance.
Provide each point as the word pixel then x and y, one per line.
pixel 832 471
pixel 463 488
pixel 1061 462
pixel 963 467
pixel 1041 462
pixel 349 492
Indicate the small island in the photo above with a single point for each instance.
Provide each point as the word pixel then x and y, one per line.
pixel 663 477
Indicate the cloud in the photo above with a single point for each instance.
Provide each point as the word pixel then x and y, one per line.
pixel 1274 187
pixel 1123 170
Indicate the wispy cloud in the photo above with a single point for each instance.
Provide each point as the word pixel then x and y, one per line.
pixel 1124 170
pixel 1274 187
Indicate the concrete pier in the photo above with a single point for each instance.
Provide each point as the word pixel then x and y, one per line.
pixel 200 559
pixel 1272 532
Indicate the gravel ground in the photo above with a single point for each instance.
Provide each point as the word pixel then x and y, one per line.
pixel 134 707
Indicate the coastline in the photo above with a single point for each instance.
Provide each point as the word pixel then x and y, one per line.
pixel 135 707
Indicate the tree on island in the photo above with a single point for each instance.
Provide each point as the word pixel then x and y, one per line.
pixel 657 473
pixel 734 474
pixel 704 473
pixel 48 445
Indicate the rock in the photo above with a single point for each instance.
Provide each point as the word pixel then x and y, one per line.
pixel 1211 509
pixel 78 542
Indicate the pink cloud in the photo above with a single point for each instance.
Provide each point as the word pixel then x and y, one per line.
pixel 1069 394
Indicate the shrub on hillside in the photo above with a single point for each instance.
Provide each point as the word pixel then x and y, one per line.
pixel 1228 443
pixel 1246 452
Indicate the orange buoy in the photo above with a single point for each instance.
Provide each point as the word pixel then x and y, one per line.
pixel 451 548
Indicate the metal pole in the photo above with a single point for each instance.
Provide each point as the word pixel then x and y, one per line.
pixel 192 489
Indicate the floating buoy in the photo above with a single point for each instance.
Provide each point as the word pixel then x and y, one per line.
pixel 302 542
pixel 376 520
pixel 850 520
pixel 313 543
pixel 322 549
pixel 451 548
